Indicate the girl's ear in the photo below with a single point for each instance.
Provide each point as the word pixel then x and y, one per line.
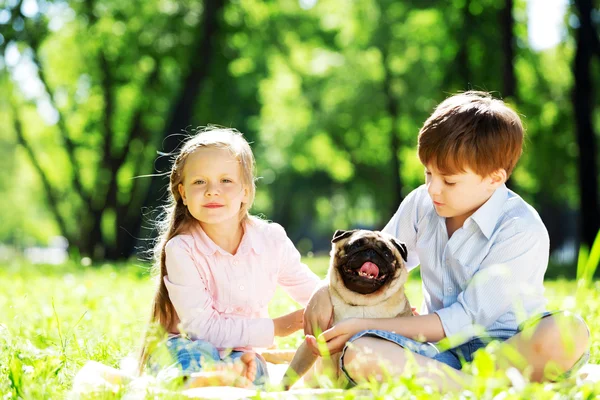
pixel 245 194
pixel 181 190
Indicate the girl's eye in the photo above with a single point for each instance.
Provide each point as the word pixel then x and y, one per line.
pixel 450 183
pixel 198 182
pixel 226 180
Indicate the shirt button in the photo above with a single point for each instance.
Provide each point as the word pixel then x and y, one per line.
pixel 449 290
pixel 241 287
pixel 235 262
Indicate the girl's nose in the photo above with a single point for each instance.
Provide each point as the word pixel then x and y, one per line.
pixel 212 189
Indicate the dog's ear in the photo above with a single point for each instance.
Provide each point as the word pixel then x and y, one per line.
pixel 340 234
pixel 401 248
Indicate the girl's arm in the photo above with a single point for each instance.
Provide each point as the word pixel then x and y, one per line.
pixel 195 307
pixel 288 323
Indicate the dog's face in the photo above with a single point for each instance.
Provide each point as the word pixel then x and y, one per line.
pixel 367 262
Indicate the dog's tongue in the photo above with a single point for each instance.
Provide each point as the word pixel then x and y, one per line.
pixel 370 268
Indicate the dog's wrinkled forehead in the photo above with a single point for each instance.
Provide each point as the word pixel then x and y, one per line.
pixel 360 237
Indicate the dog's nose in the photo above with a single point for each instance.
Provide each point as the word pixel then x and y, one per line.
pixel 371 253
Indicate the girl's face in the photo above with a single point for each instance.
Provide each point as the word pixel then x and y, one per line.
pixel 212 186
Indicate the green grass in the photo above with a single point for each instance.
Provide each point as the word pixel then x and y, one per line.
pixel 54 319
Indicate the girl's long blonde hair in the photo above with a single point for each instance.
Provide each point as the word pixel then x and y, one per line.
pixel 176 218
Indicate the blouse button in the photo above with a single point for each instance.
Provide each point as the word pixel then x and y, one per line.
pixel 449 290
pixel 241 287
pixel 239 309
pixel 235 262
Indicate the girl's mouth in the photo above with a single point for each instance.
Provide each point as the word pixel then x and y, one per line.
pixel 213 205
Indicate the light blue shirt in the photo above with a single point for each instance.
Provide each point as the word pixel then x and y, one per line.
pixel 489 275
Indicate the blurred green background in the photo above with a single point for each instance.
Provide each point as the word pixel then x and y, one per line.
pixel 331 93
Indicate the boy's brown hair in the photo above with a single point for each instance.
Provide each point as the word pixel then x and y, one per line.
pixel 471 130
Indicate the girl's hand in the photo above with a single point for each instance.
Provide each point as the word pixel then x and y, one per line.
pixel 289 323
pixel 318 312
pixel 337 336
pixel 414 311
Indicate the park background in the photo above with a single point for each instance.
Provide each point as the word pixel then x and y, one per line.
pixel 94 95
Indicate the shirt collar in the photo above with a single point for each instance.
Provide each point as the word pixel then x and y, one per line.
pixel 207 247
pixel 487 215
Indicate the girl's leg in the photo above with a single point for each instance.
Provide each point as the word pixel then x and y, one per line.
pixel 191 355
pixel 548 349
pixel 200 364
pixel 374 357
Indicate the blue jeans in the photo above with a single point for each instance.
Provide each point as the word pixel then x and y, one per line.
pixel 454 357
pixel 188 356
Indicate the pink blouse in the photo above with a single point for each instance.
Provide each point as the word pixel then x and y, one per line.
pixel 222 298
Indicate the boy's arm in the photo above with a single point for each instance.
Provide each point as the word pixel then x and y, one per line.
pixel 420 327
pixel 423 328
pixel 403 225
pixel 510 277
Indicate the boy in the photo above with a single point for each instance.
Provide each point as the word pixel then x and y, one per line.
pixel 483 253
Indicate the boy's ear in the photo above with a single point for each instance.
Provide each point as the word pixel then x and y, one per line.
pixel 498 177
pixel 181 190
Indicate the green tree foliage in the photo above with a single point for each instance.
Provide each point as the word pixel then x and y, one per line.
pixel 331 93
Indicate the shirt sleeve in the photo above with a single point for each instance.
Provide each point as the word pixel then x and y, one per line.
pixel 194 305
pixel 509 272
pixel 294 277
pixel 403 226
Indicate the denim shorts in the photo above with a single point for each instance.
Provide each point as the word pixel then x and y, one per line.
pixel 455 357
pixel 188 355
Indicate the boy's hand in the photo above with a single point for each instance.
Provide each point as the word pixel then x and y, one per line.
pixel 337 336
pixel 318 312
pixel 289 323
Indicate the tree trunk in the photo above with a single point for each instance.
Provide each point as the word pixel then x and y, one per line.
pixel 586 139
pixel 182 112
pixel 392 109
pixel 507 23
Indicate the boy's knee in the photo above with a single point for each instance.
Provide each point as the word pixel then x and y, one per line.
pixel 351 353
pixel 564 337
pixel 362 355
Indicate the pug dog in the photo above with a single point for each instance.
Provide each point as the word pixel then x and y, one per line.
pixel 367 273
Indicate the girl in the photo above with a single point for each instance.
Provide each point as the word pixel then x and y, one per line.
pixel 219 267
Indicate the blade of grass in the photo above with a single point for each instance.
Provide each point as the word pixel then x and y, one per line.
pixel 593 259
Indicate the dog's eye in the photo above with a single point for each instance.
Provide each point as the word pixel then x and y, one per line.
pixel 354 245
pixel 387 253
